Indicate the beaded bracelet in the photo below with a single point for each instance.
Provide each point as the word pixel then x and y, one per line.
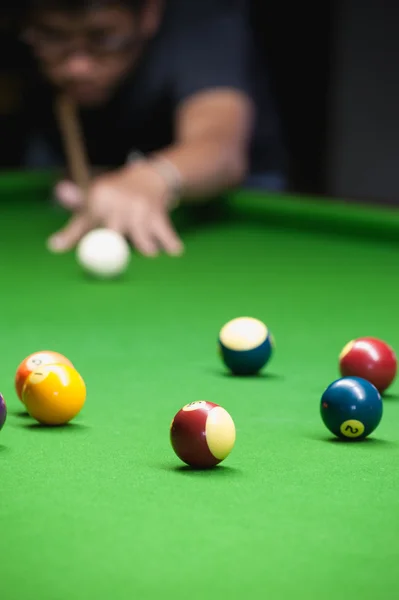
pixel 167 170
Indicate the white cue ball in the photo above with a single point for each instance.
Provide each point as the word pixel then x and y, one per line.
pixel 103 253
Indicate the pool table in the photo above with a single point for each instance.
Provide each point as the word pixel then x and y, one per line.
pixel 102 509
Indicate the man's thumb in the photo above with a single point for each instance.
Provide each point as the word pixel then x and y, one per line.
pixel 67 238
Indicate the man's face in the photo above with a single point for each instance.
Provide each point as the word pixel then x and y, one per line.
pixel 88 54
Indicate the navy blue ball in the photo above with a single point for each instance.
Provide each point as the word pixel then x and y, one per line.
pixel 351 408
pixel 245 345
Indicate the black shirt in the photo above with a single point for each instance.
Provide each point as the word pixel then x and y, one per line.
pixel 201 44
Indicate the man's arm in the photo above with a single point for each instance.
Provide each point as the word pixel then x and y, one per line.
pixel 210 155
pixel 213 131
pixel 210 60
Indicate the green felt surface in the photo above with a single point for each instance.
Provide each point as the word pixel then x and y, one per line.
pixel 102 510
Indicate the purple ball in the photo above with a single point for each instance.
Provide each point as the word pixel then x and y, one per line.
pixel 3 411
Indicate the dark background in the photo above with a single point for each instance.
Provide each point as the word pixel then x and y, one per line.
pixel 334 68
pixel 296 41
pixel 362 155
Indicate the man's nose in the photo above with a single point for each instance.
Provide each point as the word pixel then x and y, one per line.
pixel 78 65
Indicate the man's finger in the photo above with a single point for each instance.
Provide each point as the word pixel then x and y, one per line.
pixel 138 231
pixel 166 236
pixel 117 221
pixel 69 195
pixel 140 236
pixel 68 237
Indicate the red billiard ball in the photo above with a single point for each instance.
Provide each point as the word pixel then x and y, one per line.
pixel 35 361
pixel 369 358
pixel 202 434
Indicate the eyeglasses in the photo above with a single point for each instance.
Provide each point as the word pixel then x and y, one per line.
pixel 56 46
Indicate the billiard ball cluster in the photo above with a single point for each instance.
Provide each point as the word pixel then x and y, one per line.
pixel 50 387
pixel 352 407
pixel 202 433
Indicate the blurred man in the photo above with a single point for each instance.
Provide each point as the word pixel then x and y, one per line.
pixel 173 84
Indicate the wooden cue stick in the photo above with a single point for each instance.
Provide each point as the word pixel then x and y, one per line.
pixel 74 145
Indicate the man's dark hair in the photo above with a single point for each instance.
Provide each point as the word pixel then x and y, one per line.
pixel 16 14
pixel 35 6
pixel 73 5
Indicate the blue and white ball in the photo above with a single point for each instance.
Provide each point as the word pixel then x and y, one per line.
pixel 246 345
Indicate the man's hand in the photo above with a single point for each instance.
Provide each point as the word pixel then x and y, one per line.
pixel 210 155
pixel 133 201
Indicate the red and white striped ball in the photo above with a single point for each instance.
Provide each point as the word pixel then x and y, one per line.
pixel 202 434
